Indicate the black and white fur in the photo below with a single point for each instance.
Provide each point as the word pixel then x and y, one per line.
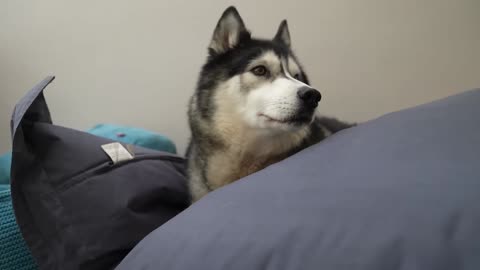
pixel 253 106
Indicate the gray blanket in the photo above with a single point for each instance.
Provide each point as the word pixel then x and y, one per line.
pixel 399 192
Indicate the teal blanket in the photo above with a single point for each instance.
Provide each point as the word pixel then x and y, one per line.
pixel 14 254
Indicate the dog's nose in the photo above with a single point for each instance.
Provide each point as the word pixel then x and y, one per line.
pixel 310 96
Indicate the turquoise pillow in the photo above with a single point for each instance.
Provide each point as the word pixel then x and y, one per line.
pixel 14 253
pixel 134 136
pixel 5 161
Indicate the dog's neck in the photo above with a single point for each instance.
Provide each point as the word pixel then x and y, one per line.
pixel 246 150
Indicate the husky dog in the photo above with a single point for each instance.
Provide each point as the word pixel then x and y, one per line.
pixel 253 106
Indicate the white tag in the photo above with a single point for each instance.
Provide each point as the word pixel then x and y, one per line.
pixel 117 152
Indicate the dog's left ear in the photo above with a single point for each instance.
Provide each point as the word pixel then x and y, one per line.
pixel 283 35
pixel 230 31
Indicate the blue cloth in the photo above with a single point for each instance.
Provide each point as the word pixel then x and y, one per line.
pixel 135 136
pixel 14 254
pixel 5 161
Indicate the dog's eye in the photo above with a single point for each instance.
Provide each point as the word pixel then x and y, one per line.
pixel 259 70
pixel 296 76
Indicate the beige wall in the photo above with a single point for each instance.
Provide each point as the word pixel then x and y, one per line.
pixel 136 62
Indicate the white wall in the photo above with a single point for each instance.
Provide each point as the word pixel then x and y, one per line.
pixel 136 62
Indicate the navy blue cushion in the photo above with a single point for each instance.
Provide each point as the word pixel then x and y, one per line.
pixel 398 192
pixel 75 206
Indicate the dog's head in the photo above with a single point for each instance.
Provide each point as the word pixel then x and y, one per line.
pixel 257 81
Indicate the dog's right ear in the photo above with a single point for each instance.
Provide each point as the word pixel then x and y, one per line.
pixel 230 31
pixel 283 35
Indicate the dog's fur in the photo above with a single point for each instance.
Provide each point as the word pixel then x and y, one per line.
pixel 244 117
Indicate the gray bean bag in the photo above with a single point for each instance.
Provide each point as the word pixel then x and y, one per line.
pixel 398 192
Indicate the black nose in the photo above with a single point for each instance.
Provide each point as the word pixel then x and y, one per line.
pixel 310 96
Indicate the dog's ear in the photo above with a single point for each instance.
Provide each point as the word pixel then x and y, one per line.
pixel 230 31
pixel 283 35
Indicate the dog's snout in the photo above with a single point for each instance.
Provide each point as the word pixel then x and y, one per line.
pixel 309 96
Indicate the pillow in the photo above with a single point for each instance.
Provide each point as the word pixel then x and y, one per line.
pixel 135 136
pixel 5 161
pixel 401 192
pixel 80 205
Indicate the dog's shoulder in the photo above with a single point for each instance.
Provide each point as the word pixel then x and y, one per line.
pixel 331 124
pixel 322 127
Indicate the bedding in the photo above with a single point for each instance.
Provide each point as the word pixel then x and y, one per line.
pixel 80 204
pixel 398 192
